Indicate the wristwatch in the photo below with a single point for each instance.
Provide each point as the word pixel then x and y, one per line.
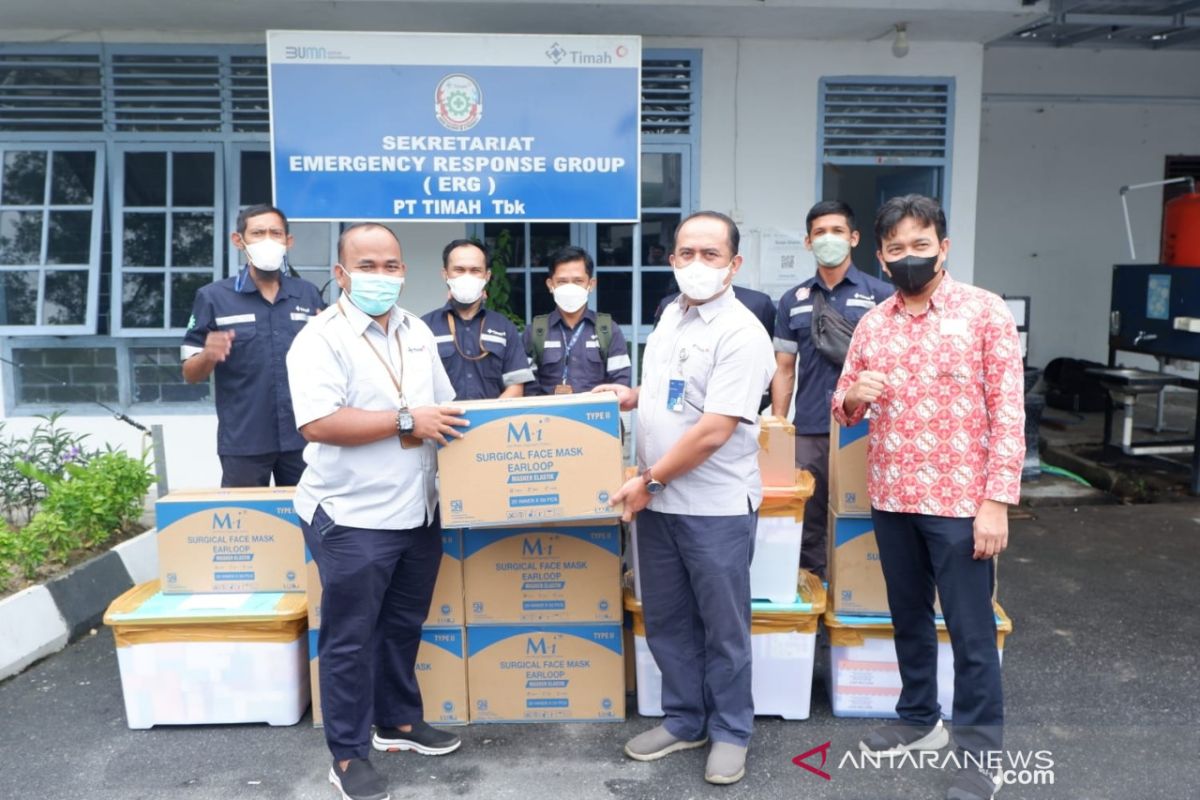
pixel 404 422
pixel 653 486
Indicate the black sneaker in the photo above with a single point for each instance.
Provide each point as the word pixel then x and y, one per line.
pixel 973 784
pixel 360 781
pixel 899 738
pixel 423 738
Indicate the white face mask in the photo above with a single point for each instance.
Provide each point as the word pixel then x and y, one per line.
pixel 700 282
pixel 830 250
pixel 466 289
pixel 267 255
pixel 570 297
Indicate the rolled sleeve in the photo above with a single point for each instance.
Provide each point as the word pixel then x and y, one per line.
pixel 516 361
pixel 202 321
pixel 742 371
pixel 619 368
pixel 317 378
pixel 855 363
pixel 1004 397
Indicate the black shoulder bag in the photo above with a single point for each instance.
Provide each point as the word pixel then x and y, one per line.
pixel 831 331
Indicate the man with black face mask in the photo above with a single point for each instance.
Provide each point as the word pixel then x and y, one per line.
pixel 939 368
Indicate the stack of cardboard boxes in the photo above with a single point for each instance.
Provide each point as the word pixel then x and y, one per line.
pixel 530 485
pixel 219 638
pixel 864 677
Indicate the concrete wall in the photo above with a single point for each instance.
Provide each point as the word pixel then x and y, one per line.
pixel 1049 222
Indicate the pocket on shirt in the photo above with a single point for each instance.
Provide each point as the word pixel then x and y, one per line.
pixel 242 332
pixel 446 350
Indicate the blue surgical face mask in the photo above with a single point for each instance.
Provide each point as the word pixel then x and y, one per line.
pixel 374 294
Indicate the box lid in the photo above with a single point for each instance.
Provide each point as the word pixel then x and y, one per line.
pixel 145 605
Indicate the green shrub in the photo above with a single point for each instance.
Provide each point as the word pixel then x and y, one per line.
pixel 55 539
pixel 102 498
pixel 30 551
pixel 46 451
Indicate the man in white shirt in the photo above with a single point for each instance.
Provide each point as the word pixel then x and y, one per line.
pixel 707 364
pixel 366 382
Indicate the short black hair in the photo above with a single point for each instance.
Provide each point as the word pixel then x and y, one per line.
pixel 735 236
pixel 924 210
pixel 564 255
pixel 358 226
pixel 457 243
pixel 827 207
pixel 257 211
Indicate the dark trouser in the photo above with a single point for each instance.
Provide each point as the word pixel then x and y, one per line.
pixel 695 576
pixel 377 587
pixel 287 467
pixel 917 552
pixel 812 454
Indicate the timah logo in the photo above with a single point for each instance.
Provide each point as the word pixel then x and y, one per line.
pixel 801 760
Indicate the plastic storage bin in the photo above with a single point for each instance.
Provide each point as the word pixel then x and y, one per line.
pixel 776 542
pixel 864 678
pixel 210 658
pixel 782 640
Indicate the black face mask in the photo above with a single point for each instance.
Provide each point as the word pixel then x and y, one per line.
pixel 911 274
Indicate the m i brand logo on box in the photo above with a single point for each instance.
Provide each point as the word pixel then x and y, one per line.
pixel 522 433
pixel 227 521
pixel 538 647
pixel 533 547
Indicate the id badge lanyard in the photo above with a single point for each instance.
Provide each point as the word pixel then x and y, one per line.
pixel 570 347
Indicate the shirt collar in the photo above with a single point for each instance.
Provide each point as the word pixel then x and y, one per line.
pixel 359 321
pixel 853 275
pixel 939 300
pixel 287 286
pixel 450 309
pixel 556 317
pixel 708 311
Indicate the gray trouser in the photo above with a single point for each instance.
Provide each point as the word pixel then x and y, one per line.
pixel 812 454
pixel 695 577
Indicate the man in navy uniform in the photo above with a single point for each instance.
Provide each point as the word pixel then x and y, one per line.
pixel 832 234
pixel 575 349
pixel 481 350
pixel 241 329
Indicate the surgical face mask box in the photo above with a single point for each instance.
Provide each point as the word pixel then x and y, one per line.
pixel 782 644
pixel 776 451
pixel 530 460
pixel 210 659
pixel 441 673
pixel 446 608
pixel 864 676
pixel 848 469
pixel 546 673
pixel 536 574
pixel 230 540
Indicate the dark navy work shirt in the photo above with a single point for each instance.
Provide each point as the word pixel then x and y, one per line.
pixel 584 366
pixel 817 376
pixel 505 364
pixel 254 404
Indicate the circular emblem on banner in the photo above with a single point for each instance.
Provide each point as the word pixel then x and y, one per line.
pixel 458 102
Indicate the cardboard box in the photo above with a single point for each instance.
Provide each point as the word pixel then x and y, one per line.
pixel 230 540
pixel 441 673
pixel 848 469
pixel 543 673
pixel 543 573
pixel 864 676
pixel 777 451
pixel 203 659
pixel 535 459
pixel 855 574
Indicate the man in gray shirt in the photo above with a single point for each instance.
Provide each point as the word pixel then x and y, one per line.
pixel 707 364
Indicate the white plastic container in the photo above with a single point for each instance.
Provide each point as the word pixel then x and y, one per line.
pixel 776 543
pixel 783 642
pixel 864 677
pixel 210 659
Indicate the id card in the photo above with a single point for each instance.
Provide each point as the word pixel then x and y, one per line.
pixel 675 395
pixel 563 388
